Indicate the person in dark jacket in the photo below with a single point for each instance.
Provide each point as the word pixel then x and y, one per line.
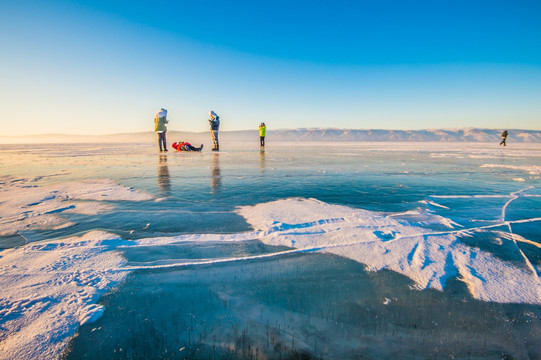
pixel 504 138
pixel 214 122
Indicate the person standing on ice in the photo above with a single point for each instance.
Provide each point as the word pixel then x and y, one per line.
pixel 160 119
pixel 214 122
pixel 504 137
pixel 262 132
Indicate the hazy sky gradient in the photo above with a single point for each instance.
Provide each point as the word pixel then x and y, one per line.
pixel 98 67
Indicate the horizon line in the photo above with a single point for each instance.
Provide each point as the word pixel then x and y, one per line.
pixel 270 130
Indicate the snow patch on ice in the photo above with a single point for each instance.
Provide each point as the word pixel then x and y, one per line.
pixel 530 169
pixel 50 289
pixel 428 258
pixel 25 207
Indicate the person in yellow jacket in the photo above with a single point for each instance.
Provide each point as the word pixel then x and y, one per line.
pixel 262 133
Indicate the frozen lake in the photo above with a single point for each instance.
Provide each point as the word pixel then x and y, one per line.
pixel 331 251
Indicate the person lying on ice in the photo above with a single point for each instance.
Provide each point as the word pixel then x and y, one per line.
pixel 185 146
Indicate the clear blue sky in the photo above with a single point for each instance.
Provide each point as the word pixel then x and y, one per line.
pixel 99 67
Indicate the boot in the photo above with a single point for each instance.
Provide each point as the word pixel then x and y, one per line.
pixel 200 148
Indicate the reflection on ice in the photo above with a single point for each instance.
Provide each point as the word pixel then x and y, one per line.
pixel 262 160
pixel 215 178
pixel 164 181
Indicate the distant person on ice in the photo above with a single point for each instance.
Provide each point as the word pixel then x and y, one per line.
pixel 504 138
pixel 214 122
pixel 185 146
pixel 160 119
pixel 262 132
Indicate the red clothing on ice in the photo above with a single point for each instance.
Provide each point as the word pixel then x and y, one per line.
pixel 178 146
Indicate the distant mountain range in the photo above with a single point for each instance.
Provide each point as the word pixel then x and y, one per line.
pixel 297 135
pixel 429 135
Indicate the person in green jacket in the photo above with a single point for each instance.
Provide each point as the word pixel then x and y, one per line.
pixel 262 133
pixel 160 119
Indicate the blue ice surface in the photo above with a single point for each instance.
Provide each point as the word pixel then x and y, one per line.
pixel 306 305
pixel 208 185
